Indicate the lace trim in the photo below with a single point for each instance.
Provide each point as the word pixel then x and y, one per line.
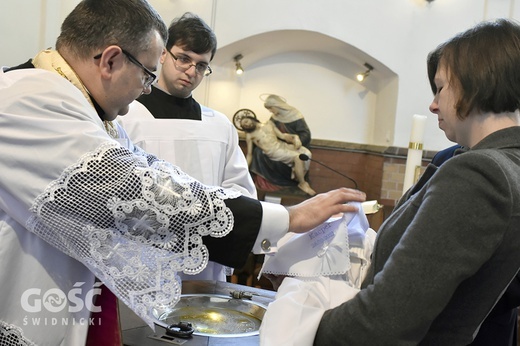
pixel 134 221
pixel 11 335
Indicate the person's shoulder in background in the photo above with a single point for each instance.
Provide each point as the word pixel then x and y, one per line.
pixel 445 154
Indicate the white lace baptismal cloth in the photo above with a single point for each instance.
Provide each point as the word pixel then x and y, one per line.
pixel 325 272
pixel 322 251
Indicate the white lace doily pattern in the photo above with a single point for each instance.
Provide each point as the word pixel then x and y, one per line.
pixel 11 335
pixel 134 221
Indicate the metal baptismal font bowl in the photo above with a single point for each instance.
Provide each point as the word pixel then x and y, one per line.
pixel 216 315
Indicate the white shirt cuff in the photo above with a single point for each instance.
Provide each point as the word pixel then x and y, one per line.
pixel 275 224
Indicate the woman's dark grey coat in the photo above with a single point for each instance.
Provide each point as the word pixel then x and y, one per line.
pixel 443 257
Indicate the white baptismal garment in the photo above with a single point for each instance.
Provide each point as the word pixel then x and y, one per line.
pixel 325 267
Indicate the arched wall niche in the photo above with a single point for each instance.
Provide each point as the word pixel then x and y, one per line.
pixel 316 74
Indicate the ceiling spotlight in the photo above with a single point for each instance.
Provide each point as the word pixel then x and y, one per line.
pixel 361 76
pixel 238 67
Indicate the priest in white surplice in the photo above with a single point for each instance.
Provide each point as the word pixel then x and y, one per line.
pixel 76 204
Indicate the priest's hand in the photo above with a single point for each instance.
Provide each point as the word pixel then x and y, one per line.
pixel 314 211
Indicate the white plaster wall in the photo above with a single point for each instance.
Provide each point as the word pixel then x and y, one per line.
pixel 27 26
pixel 396 34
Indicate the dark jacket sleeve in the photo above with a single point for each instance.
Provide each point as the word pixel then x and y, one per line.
pixel 233 249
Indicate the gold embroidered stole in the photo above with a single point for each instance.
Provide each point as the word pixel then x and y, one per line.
pixel 51 60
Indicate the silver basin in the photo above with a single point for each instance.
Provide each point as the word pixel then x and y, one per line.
pixel 137 333
pixel 216 315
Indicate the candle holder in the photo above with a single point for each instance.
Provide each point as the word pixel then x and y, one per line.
pixel 417 174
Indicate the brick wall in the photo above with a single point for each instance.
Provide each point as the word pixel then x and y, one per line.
pixel 393 178
pixel 379 173
pixel 364 168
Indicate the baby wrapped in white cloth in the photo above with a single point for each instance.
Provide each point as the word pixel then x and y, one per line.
pixel 325 267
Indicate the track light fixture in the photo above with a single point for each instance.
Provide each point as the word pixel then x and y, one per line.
pixel 238 67
pixel 361 76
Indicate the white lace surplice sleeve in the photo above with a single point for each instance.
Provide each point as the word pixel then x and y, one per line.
pixel 134 221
